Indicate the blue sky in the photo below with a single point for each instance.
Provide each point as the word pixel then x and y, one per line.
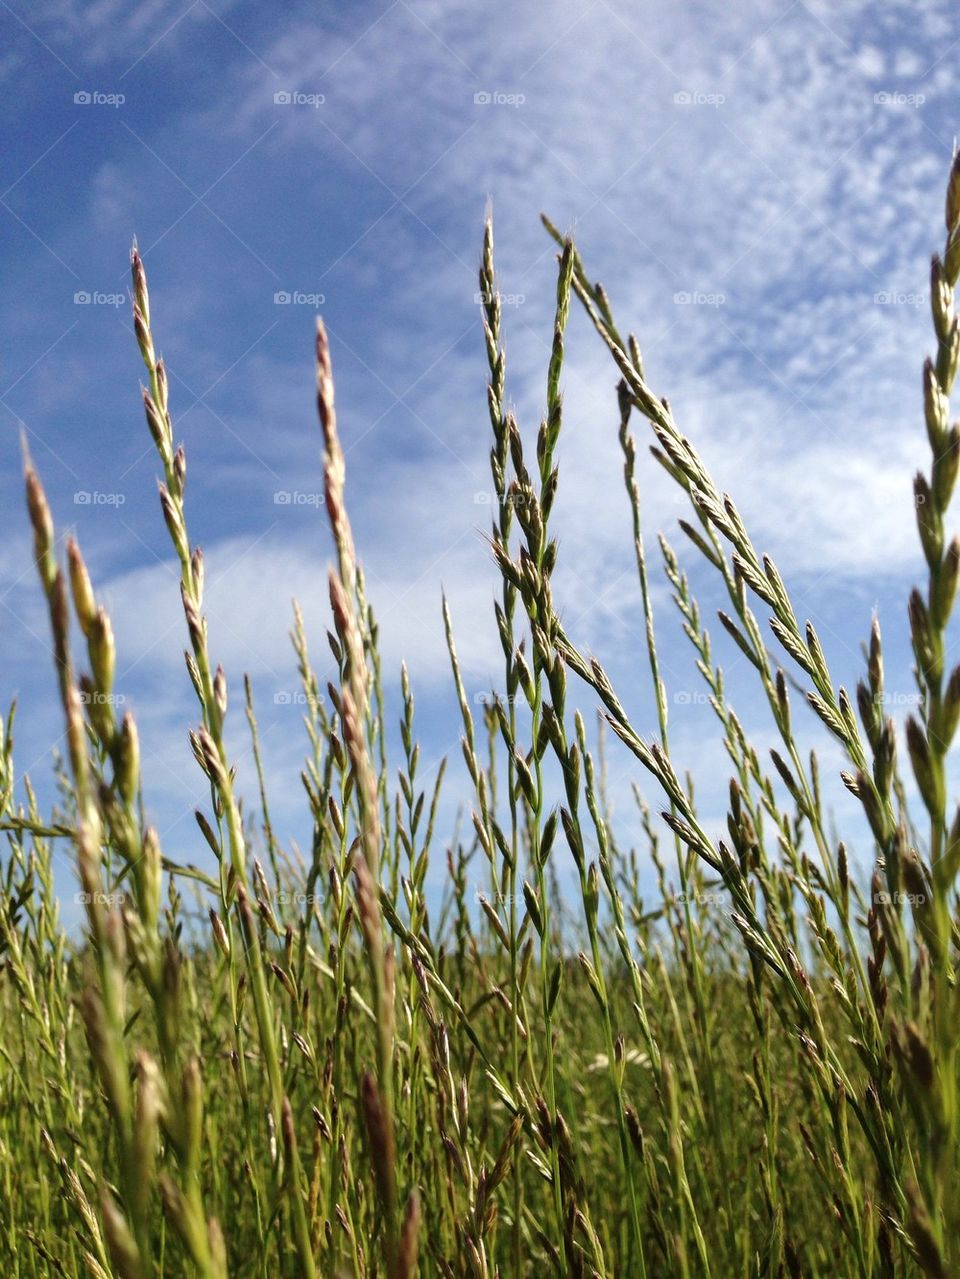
pixel 782 164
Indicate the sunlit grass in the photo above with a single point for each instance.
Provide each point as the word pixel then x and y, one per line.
pixel 754 1073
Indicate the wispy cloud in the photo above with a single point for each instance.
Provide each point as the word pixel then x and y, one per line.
pixel 758 187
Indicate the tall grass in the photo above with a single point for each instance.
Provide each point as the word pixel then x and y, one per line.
pixel 754 1074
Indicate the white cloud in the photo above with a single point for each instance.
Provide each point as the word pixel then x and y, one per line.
pixel 780 185
pixel 90 32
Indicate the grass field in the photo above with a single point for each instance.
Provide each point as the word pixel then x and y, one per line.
pixel 277 1066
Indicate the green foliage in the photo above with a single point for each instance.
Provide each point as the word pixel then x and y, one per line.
pixel 755 1073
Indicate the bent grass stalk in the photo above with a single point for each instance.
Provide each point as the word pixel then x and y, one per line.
pixel 298 1065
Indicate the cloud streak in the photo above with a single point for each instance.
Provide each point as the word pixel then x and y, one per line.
pixel 758 188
